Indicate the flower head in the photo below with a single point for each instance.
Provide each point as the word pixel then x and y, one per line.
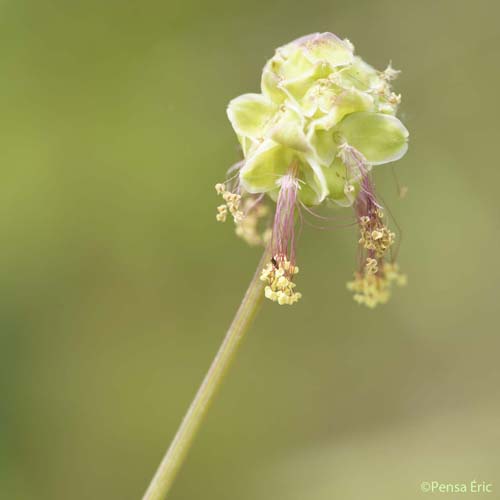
pixel 323 119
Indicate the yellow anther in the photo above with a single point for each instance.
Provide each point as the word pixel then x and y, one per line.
pixel 270 294
pixel 221 213
pixel 282 283
pixel 233 201
pixel 220 188
pixel 279 287
pixel 375 235
pixel 249 221
pixel 373 289
pixel 371 266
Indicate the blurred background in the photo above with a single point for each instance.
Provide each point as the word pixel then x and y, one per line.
pixel 117 284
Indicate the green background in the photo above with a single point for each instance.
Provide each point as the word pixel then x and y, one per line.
pixel 117 284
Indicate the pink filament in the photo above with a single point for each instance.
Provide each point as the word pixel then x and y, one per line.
pixel 283 239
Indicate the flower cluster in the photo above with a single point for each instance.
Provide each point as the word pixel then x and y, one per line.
pixel 232 204
pixel 280 288
pixel 375 236
pixel 323 118
pixel 249 214
pixel 248 228
pixel 374 287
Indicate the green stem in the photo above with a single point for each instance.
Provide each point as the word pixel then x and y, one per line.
pixel 175 455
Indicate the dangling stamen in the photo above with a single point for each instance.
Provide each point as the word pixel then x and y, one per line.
pixel 280 272
pixel 254 228
pixel 283 239
pixel 232 204
pixel 247 210
pixel 372 282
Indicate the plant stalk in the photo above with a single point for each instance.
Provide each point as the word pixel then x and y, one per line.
pixel 176 453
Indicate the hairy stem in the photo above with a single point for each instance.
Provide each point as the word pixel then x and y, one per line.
pixel 176 453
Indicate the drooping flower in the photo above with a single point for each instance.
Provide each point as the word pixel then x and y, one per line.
pixel 323 119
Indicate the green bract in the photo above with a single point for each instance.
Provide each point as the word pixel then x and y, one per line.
pixel 316 96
